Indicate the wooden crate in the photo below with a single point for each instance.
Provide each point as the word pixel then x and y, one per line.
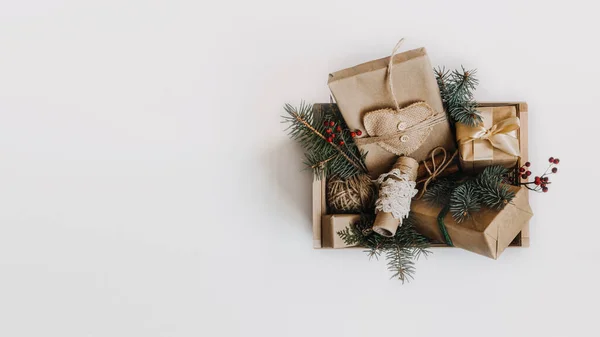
pixel 522 240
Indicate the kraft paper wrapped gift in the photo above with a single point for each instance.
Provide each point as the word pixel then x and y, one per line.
pixel 487 233
pixel 494 142
pixel 364 91
pixel 331 225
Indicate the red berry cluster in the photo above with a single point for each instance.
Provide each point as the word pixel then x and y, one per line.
pixel 540 183
pixel 331 130
pixel 353 134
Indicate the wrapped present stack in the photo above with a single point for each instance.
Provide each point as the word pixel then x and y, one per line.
pixel 406 159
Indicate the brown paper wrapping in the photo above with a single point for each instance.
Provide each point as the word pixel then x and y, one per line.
pixel 487 233
pixel 331 225
pixel 364 88
pixel 385 224
pixel 467 152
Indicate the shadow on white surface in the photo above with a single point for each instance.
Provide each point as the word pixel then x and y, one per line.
pixel 292 183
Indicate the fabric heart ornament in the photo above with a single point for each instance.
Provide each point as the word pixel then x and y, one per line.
pixel 400 131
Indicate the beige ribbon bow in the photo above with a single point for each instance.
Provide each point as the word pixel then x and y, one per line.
pixel 498 135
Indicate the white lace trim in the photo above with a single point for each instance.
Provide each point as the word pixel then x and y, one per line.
pixel 395 193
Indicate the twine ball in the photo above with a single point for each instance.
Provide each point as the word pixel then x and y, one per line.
pixel 352 195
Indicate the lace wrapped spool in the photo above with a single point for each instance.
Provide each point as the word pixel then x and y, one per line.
pixel 396 189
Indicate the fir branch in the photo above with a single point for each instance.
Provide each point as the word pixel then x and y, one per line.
pixel 463 84
pixel 494 173
pixel 495 196
pixel 441 76
pixel 493 192
pixel 456 90
pixel 350 236
pixel 399 263
pixel 465 196
pixel 465 112
pixel 324 156
pixel 464 201
pixel 438 194
pixel 401 251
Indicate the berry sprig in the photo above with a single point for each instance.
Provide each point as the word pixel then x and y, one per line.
pixel 540 183
pixel 331 132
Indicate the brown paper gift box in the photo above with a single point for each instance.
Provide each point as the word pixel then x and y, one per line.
pixel 332 224
pixel 364 88
pixel 319 207
pixel 468 160
pixel 487 233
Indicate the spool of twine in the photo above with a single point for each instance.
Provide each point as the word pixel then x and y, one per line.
pixel 352 195
pixel 385 223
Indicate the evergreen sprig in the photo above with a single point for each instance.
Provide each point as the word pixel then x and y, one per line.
pixel 325 158
pixel 438 194
pixel 456 90
pixel 465 196
pixel 464 201
pixel 401 250
pixel 493 190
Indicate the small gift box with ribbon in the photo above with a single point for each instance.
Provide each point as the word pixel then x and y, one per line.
pixel 494 142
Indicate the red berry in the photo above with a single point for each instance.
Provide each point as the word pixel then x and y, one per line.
pixel 543 184
pixel 333 135
pixel 551 160
pixel 528 173
pixel 338 129
pixel 331 123
pixel 522 169
pixel 524 176
pixel 329 131
pixel 554 169
pixel 326 123
pixel 556 161
pixel 352 134
pixel 537 182
pixel 329 140
pixel 545 178
pixel 545 189
pixel 358 132
pixel 527 164
pixel 341 142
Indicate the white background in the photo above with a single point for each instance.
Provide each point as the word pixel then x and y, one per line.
pixel 147 187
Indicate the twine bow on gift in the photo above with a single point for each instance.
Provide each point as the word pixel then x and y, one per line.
pixel 498 136
pixel 436 169
pixel 401 130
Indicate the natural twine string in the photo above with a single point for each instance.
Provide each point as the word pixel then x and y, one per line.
pixel 436 169
pixel 355 194
pixel 389 72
